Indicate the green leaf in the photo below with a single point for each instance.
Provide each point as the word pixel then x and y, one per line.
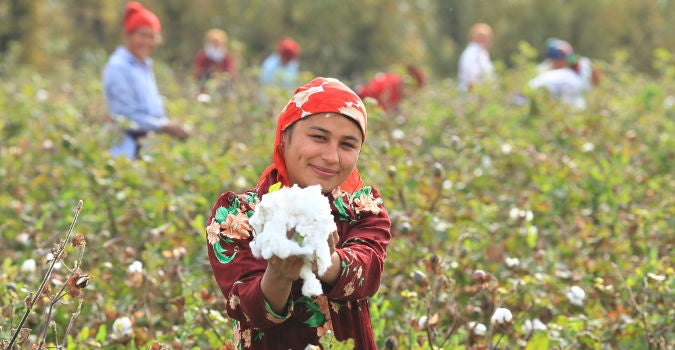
pixel 198 222
pixel 84 333
pixel 531 237
pixel 101 334
pixel 539 341
pixel 274 187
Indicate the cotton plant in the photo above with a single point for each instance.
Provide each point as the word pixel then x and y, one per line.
pixel 305 212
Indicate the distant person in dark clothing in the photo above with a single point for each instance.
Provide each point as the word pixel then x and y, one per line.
pixel 214 57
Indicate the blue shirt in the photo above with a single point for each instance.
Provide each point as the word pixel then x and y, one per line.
pixel 275 73
pixel 131 91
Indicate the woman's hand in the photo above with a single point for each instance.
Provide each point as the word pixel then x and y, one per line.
pixel 333 240
pixel 285 270
pixel 277 281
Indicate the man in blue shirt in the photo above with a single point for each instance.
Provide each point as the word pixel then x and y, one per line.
pixel 282 67
pixel 129 83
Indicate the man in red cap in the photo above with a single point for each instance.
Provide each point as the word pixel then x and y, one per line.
pixel 129 83
pixel 282 67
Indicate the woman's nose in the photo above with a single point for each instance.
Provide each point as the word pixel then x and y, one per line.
pixel 331 153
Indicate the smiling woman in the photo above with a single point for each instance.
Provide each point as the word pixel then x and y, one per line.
pixel 323 151
pixel 318 141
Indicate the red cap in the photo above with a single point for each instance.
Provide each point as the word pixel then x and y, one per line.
pixel 137 16
pixel 288 49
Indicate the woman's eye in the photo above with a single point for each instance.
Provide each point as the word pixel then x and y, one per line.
pixel 319 137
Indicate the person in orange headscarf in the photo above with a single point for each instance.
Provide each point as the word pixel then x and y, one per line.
pixel 129 85
pixel 319 137
pixel 389 88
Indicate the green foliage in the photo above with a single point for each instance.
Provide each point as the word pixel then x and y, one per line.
pixel 579 197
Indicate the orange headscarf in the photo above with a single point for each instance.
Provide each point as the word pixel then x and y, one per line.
pixel 137 16
pixel 321 95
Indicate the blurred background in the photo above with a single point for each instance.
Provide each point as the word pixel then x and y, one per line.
pixel 344 38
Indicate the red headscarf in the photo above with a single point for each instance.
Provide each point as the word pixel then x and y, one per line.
pixel 137 16
pixel 321 95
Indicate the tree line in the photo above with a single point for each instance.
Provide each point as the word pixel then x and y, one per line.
pixel 343 37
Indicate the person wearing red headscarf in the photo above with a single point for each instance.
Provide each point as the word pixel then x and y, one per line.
pixel 318 140
pixel 282 67
pixel 129 85
pixel 389 88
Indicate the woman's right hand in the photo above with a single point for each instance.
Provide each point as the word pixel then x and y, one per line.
pixel 278 279
pixel 285 270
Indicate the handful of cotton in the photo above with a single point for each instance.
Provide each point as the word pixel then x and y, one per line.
pixel 306 212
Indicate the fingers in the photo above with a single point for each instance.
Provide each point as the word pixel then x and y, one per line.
pixel 333 240
pixel 288 268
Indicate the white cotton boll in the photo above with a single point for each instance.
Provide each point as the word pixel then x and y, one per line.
pixel 512 262
pixel 307 212
pixel 311 285
pixel 576 295
pixel 29 266
pixel 122 327
pixel 533 325
pixel 502 316
pixel 478 329
pixel 135 267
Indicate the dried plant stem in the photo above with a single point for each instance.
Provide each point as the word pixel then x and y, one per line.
pixel 48 320
pixel 634 303
pixel 48 274
pixel 454 321
pixel 498 341
pixel 72 321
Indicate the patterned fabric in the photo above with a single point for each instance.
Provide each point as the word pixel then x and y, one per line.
pixel 364 229
pixel 321 95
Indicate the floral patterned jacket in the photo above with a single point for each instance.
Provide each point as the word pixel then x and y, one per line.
pixel 364 228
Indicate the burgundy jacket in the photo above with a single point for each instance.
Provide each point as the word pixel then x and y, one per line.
pixel 364 229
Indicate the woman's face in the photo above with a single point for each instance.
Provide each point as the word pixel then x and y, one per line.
pixel 142 41
pixel 321 149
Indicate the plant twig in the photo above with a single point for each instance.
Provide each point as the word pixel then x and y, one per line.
pixel 635 304
pixel 76 314
pixel 48 274
pixel 454 321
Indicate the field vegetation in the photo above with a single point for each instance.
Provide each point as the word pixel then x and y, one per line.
pixel 515 225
